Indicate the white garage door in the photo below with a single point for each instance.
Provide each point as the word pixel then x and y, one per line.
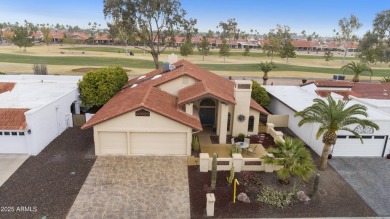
pixel 351 146
pixel 113 143
pixel 158 143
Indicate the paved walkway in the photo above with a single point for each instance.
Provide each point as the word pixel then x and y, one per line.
pixel 370 178
pixel 9 163
pixel 134 187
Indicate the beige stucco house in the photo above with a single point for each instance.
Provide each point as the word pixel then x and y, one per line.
pixel 157 113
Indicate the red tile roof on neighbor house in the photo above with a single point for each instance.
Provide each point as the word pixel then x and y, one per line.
pixel 143 92
pixel 12 119
pixel 360 90
pixel 331 83
pixel 6 86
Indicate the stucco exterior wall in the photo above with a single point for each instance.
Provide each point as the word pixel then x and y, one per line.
pixel 173 86
pixel 278 120
pixel 242 97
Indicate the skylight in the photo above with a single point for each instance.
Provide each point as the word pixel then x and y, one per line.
pixel 156 76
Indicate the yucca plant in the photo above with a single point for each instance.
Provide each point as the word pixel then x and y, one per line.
pixel 294 157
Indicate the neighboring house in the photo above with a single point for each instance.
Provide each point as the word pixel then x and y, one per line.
pixel 286 100
pixel 34 110
pixel 157 113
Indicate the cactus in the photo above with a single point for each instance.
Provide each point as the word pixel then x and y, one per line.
pixel 315 186
pixel 214 172
pixel 195 143
pixel 231 177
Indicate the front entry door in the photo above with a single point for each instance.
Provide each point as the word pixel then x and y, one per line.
pixel 207 116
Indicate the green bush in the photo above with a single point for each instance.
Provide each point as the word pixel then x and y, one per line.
pixel 241 137
pixel 276 198
pixel 195 143
pixel 234 149
pixel 259 94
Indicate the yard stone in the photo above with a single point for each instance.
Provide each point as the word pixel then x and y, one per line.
pixel 302 196
pixel 243 197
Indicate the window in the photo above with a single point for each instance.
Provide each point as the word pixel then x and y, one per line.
pixel 366 137
pixel 251 123
pixel 21 133
pixel 228 122
pixel 6 133
pixel 142 112
pixel 1 133
pixel 14 133
pixel 379 137
pixel 352 136
pixel 341 136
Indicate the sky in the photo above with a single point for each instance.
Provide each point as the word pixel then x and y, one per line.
pixel 261 15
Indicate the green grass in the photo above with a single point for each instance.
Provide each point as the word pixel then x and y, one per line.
pixel 146 64
pixel 233 53
pixel 81 61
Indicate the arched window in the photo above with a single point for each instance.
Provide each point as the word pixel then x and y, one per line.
pixel 228 121
pixel 251 123
pixel 142 112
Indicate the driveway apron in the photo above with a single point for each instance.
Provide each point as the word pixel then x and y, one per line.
pixel 134 187
pixel 370 178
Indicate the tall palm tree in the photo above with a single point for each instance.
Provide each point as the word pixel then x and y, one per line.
pixel 332 117
pixel 293 156
pixel 357 69
pixel 265 68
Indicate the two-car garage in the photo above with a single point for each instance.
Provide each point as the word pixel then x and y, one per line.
pixel 142 143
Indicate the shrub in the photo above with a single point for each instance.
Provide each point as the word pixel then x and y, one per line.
pixel 231 176
pixel 251 180
pixel 276 198
pixel 2 73
pixel 234 149
pixel 40 69
pixel 241 137
pixel 195 143
pixel 214 172
pixel 259 94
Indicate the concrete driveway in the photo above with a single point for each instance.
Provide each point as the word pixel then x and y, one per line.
pixel 9 163
pixel 370 178
pixel 134 187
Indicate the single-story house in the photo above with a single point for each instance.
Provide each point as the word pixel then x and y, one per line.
pixel 157 113
pixel 34 109
pixel 287 100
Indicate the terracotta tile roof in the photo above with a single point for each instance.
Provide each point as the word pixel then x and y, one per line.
pixel 6 86
pixel 345 84
pixel 101 37
pixel 12 119
pixel 57 35
pixel 361 90
pixel 256 106
pixel 301 43
pixel 143 92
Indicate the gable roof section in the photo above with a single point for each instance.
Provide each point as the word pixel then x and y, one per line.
pixel 6 86
pixel 152 99
pixel 256 106
pixel 12 119
pixel 143 92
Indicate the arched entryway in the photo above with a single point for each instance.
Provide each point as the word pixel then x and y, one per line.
pixel 207 112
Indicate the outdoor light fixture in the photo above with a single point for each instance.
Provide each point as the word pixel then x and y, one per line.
pixel 29 131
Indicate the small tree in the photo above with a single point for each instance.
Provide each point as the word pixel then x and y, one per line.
pixel 186 48
pixel 293 156
pixel 246 51
pixel 259 94
pixel 224 49
pixel 204 47
pixel 328 55
pixel 23 35
pixel 287 51
pixel 47 38
pixel 265 68
pixel 357 69
pixel 98 87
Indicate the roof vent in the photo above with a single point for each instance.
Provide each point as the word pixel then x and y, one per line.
pixel 134 85
pixel 156 76
pixel 166 67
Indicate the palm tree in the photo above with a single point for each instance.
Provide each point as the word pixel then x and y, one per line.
pixel 356 68
pixel 332 117
pixel 294 157
pixel 266 67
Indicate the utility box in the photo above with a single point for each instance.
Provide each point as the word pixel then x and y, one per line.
pixel 210 204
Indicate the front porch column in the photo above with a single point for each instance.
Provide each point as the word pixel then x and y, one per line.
pixel 190 108
pixel 223 123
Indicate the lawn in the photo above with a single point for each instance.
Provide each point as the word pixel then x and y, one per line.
pixel 131 62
